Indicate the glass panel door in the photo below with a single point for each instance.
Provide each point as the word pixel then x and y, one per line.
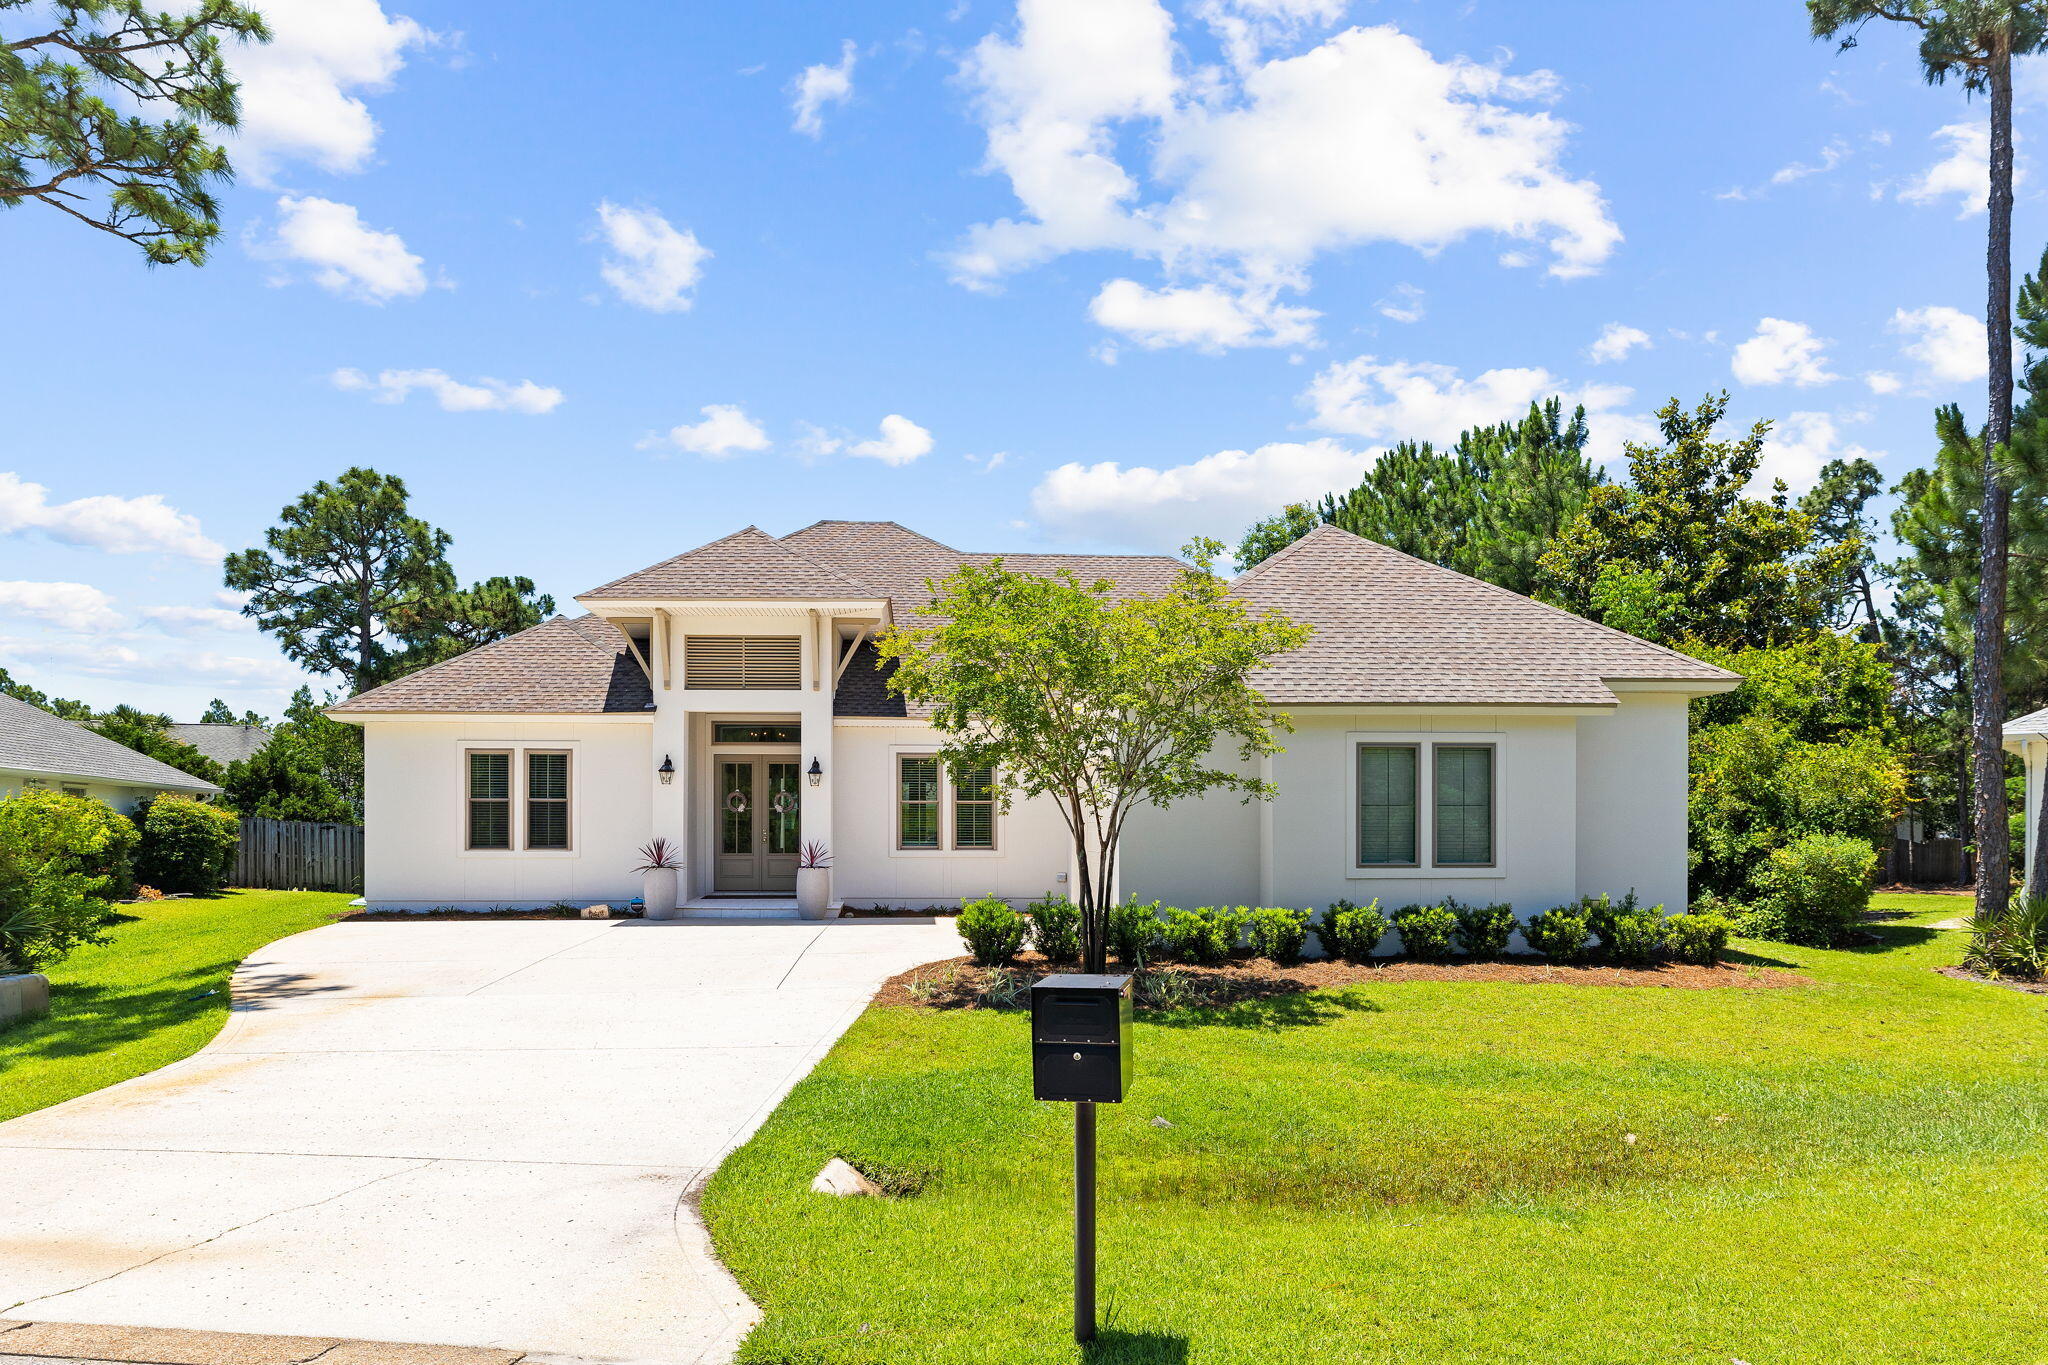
pixel 785 800
pixel 736 807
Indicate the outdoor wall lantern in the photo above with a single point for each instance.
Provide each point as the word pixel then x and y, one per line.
pixel 816 774
pixel 667 770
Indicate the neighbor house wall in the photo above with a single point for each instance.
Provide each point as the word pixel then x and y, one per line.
pixel 414 815
pixel 1031 858
pixel 1633 780
pixel 121 796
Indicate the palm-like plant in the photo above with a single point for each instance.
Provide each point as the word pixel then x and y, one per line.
pixel 659 855
pixel 2012 943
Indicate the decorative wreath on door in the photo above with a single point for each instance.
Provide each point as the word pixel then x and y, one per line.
pixel 784 803
pixel 736 801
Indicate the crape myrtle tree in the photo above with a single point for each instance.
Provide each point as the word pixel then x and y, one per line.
pixel 1974 42
pixel 112 112
pixel 1102 702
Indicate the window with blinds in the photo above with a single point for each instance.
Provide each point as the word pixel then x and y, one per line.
pixel 1464 805
pixel 974 808
pixel 547 800
pixel 490 800
pixel 917 801
pixel 1386 805
pixel 743 662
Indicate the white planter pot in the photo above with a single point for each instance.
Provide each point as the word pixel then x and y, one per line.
pixel 23 995
pixel 658 890
pixel 814 892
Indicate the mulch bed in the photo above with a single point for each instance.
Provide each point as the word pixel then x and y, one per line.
pixel 1965 974
pixel 956 983
pixel 409 916
pixel 899 912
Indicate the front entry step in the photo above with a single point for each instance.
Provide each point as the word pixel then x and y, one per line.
pixel 742 907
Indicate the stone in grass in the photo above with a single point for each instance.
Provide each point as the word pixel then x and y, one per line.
pixel 1161 1123
pixel 838 1178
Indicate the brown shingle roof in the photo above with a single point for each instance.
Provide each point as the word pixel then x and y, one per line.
pixel 745 564
pixel 559 667
pixel 1394 630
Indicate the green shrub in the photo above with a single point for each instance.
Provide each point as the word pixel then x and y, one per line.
pixel 1426 931
pixel 1056 928
pixel 45 911
pixel 1816 890
pixel 187 845
pixel 2014 943
pixel 1352 932
pixel 1601 913
pixel 1484 930
pixel 1698 937
pixel 1205 936
pixel 1277 933
pixel 77 833
pixel 993 929
pixel 1134 932
pixel 1560 934
pixel 1637 937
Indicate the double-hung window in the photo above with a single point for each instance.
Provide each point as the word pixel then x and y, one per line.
pixel 974 808
pixel 547 799
pixel 933 813
pixel 1387 805
pixel 917 801
pixel 1464 805
pixel 1426 803
pixel 489 779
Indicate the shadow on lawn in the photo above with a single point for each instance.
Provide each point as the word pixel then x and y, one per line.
pixel 84 1019
pixel 1271 1014
pixel 1893 936
pixel 1114 1347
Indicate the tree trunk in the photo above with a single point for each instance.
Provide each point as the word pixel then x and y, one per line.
pixel 1987 660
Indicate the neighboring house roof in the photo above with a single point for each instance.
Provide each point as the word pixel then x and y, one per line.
pixel 559 667
pixel 2033 725
pixel 1391 629
pixel 32 740
pixel 224 743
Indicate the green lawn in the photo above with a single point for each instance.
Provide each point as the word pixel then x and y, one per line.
pixel 1440 1172
pixel 156 991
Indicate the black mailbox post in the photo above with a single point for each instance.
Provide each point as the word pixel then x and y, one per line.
pixel 1081 1055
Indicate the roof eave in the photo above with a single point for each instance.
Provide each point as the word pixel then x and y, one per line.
pixel 185 782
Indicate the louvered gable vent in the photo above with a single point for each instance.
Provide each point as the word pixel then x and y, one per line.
pixel 743 662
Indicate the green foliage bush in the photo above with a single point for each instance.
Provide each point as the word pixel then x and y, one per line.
pixel 1560 934
pixel 76 833
pixel 1276 932
pixel 46 910
pixel 1426 931
pixel 2014 943
pixel 186 845
pixel 1815 890
pixel 993 929
pixel 1056 928
pixel 1484 930
pixel 1205 936
pixel 1698 937
pixel 1352 932
pixel 1636 937
pixel 1134 932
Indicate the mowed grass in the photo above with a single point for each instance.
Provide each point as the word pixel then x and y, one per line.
pixel 155 991
pixel 1439 1172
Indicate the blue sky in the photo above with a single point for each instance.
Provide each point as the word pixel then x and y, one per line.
pixel 1091 273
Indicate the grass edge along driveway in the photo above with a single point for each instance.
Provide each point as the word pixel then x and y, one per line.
pixel 155 992
pixel 1440 1172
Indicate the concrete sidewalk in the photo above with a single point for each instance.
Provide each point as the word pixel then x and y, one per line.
pixel 478 1133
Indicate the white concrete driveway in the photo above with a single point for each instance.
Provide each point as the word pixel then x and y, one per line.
pixel 474 1133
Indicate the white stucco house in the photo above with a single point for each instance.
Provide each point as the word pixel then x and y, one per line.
pixel 2028 737
pixel 1450 738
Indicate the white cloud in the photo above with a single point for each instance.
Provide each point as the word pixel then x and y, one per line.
pixel 1797 448
pixel 901 442
pixel 819 85
pixel 113 659
pixel 1615 341
pixel 1254 173
pixel 1946 343
pixel 1782 352
pixel 1883 381
pixel 1831 156
pixel 650 264
pixel 300 90
pixel 1247 27
pixel 1964 172
pixel 989 463
pixel 725 431
pixel 485 395
pixel 1403 303
pixel 347 256
pixel 73 606
pixel 1403 400
pixel 1160 508
pixel 1207 317
pixel 139 525
pixel 194 620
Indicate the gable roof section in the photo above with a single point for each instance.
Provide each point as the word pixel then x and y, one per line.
pixel 33 740
pixel 559 667
pixel 746 564
pixel 1393 630
pixel 223 742
pixel 2033 725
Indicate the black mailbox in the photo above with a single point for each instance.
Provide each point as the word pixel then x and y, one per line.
pixel 1081 1038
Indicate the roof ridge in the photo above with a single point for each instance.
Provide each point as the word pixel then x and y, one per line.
pixel 1291 546
pixel 471 655
pixel 847 579
pixel 855 521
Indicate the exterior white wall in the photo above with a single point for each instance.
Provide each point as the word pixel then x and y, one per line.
pixel 1203 852
pixel 1032 853
pixel 414 815
pixel 1632 833
pixel 120 796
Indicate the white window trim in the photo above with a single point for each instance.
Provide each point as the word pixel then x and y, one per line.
pixel 899 752
pixel 1425 742
pixel 518 748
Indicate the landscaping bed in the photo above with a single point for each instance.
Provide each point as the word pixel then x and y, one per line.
pixel 957 983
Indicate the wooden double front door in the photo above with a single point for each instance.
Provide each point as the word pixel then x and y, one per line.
pixel 760 804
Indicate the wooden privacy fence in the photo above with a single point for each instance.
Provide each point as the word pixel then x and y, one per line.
pixel 299 855
pixel 1931 862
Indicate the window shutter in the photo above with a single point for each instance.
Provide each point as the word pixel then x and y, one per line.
pixel 743 662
